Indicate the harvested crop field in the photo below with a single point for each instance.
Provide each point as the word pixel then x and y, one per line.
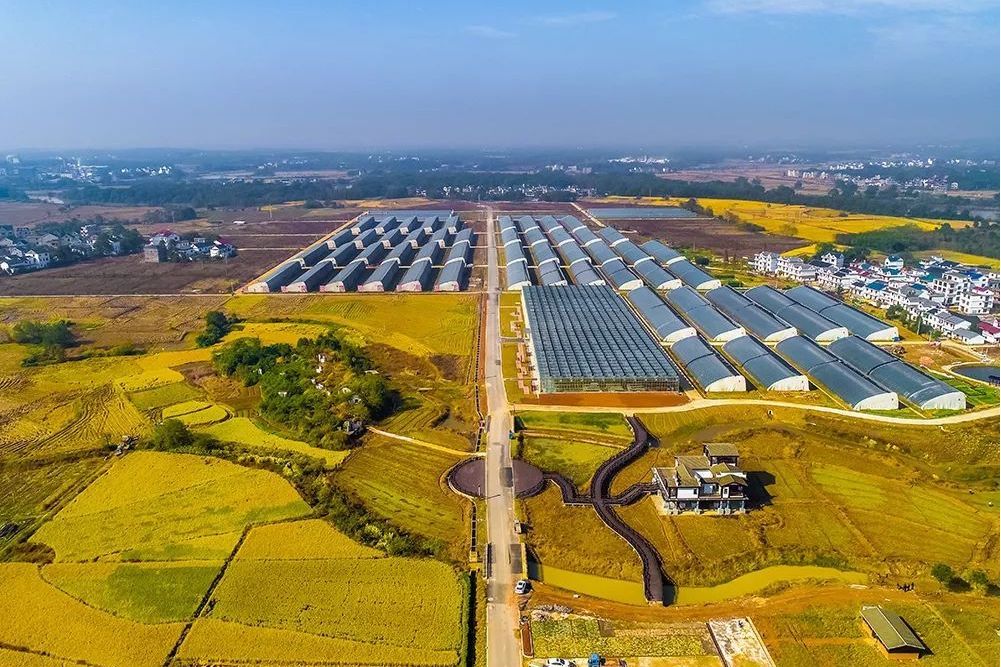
pixel 130 275
pixel 709 234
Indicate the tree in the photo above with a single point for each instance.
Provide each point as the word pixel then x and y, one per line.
pixel 943 573
pixel 217 325
pixel 170 435
pixel 978 579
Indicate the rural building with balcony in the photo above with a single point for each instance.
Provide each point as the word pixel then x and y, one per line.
pixel 710 482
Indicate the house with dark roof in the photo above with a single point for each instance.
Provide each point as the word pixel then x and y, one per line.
pixel 892 634
pixel 710 482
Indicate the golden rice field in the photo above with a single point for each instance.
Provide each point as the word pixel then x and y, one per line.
pixel 37 617
pixel 817 225
pixel 309 539
pixel 423 325
pixel 244 431
pixel 158 397
pixel 276 332
pixel 355 599
pixel 212 641
pixel 158 506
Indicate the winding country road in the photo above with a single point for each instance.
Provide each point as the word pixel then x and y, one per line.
pixel 503 649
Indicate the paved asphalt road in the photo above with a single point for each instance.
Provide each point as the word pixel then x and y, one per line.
pixel 503 648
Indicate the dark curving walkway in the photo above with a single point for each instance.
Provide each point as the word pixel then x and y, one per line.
pixel 600 497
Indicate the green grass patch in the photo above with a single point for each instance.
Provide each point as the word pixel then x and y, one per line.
pixel 145 592
pixel 159 397
pixel 581 636
pixel 604 423
pixel 577 461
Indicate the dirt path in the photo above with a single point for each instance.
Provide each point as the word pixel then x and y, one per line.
pixel 422 443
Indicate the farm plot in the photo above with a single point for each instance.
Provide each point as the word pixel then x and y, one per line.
pixel 816 225
pixel 403 483
pixel 157 506
pixel 130 275
pixel 244 431
pixel 427 323
pixel 158 397
pixel 303 592
pixel 826 491
pixel 612 425
pixel 409 603
pixel 579 636
pixel 37 618
pixel 575 539
pixel 577 461
pixel 144 592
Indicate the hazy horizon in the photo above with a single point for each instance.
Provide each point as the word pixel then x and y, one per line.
pixel 646 76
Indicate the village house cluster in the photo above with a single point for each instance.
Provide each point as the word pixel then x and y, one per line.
pixel 168 246
pixel 24 248
pixel 953 299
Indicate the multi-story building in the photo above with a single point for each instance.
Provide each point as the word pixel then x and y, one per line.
pixel 765 262
pixel 978 301
pixel 710 482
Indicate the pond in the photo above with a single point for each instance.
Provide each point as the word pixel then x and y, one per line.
pixel 982 372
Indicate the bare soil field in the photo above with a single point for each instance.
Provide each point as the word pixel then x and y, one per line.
pixel 536 207
pixel 32 213
pixel 771 176
pixel 707 234
pixel 130 275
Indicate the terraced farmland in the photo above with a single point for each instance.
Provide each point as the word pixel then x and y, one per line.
pixel 403 483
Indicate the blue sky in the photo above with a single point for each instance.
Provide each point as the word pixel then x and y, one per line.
pixel 360 75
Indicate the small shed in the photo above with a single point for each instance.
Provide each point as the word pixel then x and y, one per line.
pixel 892 634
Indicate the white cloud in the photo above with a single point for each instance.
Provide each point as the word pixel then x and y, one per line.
pixel 576 18
pixel 848 7
pixel 489 32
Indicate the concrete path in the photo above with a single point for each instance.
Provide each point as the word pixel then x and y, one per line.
pixel 503 648
pixel 703 403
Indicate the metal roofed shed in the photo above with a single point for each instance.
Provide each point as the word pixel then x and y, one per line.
pixel 662 253
pixel 750 315
pixel 312 279
pixel 347 279
pixel 584 274
pixel 611 236
pixel 619 276
pixel 366 238
pixel 892 633
pixel 551 275
pixel 883 368
pixel 386 224
pixel 601 253
pixel 692 275
pixel 825 370
pixel 837 311
pixel 383 278
pixel 585 339
pixel 703 315
pixel 364 223
pixel 516 274
pixel 659 317
pixel 632 254
pixel 806 321
pixel 278 277
pixel 452 277
pixel 342 255
pixel 764 367
pixel 655 276
pixel 417 278
pixel 706 368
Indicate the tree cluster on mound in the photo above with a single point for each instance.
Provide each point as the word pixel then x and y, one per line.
pixel 217 325
pixel 980 239
pixel 311 388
